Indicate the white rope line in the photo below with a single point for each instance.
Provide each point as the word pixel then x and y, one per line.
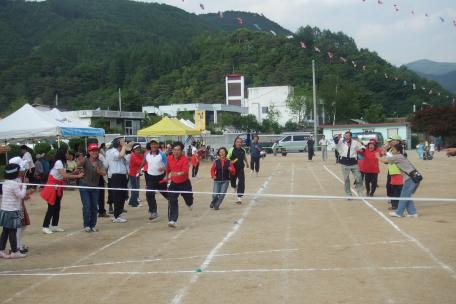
pixel 271 195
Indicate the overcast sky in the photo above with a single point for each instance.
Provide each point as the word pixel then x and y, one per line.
pixel 399 37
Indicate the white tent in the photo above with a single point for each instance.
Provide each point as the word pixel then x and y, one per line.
pixel 28 122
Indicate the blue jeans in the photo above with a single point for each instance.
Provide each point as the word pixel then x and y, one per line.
pixel 89 198
pixel 219 187
pixel 407 190
pixel 134 195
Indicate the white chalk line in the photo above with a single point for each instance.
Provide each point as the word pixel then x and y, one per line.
pixel 37 284
pixel 202 256
pixel 380 286
pixel 271 195
pixel 180 294
pixel 414 240
pixel 228 271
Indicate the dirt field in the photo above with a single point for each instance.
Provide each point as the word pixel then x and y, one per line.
pixel 268 250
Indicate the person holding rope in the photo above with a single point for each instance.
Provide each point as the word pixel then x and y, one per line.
pixel 93 170
pixel 237 156
pixel 177 171
pixel 53 195
pixel 220 172
pixel 348 149
pixel 156 161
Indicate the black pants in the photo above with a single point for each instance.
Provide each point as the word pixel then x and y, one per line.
pixel 310 154
pixel 395 192
pixel 53 213
pixel 119 196
pixel 110 201
pixel 388 185
pixel 195 170
pixel 240 178
pixel 101 196
pixel 173 206
pixel 153 183
pixel 10 234
pixel 370 180
pixel 31 177
pixel 255 164
pixel 337 156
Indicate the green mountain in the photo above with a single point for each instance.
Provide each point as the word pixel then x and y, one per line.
pixel 442 72
pixel 84 50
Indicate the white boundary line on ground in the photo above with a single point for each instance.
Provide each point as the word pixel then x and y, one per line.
pixel 228 271
pixel 180 294
pixel 409 237
pixel 37 284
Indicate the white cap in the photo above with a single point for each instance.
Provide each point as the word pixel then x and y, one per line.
pixel 18 161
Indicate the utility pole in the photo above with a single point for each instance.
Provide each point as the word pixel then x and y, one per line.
pixel 314 102
pixel 120 102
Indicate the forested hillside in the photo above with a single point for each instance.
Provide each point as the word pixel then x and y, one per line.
pixel 84 50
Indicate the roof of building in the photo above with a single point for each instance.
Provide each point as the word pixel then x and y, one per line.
pixel 384 124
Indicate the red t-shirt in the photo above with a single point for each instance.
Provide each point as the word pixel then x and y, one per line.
pixel 177 165
pixel 370 162
pixel 136 160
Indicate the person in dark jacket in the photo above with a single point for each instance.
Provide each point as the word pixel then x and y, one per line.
pixel 221 171
pixel 310 148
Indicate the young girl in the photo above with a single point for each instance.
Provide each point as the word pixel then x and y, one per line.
pixel 10 212
pixel 220 172
pixel 52 194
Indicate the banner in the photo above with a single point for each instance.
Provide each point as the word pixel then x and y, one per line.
pixel 200 120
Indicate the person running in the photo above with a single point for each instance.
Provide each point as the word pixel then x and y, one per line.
pixel 237 156
pixel 369 166
pixel 348 149
pixel 93 170
pixel 220 172
pixel 136 160
pixel 310 148
pixel 324 147
pixel 53 195
pixel 177 173
pixel 117 172
pixel 156 162
pixel 255 155
pixel 412 181
pixel 10 211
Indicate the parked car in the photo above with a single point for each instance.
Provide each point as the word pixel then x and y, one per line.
pixel 296 142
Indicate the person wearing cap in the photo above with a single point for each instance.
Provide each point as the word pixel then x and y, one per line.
pixel 10 211
pixel 392 168
pixel 155 161
pixel 136 159
pixel 118 172
pixel 348 149
pixel 93 169
pixel 369 166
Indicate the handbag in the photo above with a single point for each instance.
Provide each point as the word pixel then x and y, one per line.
pixel 415 176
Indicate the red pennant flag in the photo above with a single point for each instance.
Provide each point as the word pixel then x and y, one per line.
pixel 364 67
pixel 317 50
pixel 396 7
pixel 240 21
pixel 330 55
pixel 386 76
pixel 202 6
pixel 454 22
pixel 303 45
pixel 430 92
pixel 344 60
pixel 221 14
pixel 380 2
pixel 354 64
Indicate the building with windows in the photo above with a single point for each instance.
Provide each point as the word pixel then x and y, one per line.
pixel 389 129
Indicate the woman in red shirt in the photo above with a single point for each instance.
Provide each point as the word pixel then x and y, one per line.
pixel 369 166
pixel 136 160
pixel 177 173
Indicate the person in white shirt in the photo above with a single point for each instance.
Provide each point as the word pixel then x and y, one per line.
pixel 324 147
pixel 29 164
pixel 432 150
pixel 348 149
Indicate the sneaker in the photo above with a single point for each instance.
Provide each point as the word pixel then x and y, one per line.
pixel 4 255
pixel 394 214
pixel 94 229
pixel 413 215
pixel 56 229
pixel 119 220
pixel 239 200
pixel 172 224
pixel 23 249
pixel 17 255
pixel 153 216
pixel 87 229
pixel 46 230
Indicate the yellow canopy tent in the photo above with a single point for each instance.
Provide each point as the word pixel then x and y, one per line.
pixel 168 126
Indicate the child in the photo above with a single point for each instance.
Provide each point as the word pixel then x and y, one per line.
pixel 10 212
pixel 220 172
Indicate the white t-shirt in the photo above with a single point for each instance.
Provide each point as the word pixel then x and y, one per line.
pixel 323 142
pixel 55 170
pixel 194 150
pixel 432 148
pixel 155 163
pixel 29 160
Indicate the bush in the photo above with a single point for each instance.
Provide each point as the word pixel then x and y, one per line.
pixel 42 148
pixel 55 145
pixel 2 172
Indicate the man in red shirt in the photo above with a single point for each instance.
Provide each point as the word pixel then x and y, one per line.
pixel 177 172
pixel 136 159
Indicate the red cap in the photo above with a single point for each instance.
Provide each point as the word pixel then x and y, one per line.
pixel 92 147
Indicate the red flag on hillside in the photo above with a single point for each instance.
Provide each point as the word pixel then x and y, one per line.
pixel 430 92
pixel 396 7
pixel 317 50
pixel 303 45
pixel 240 21
pixel 380 2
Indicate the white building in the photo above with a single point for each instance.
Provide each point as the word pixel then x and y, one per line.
pixel 261 99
